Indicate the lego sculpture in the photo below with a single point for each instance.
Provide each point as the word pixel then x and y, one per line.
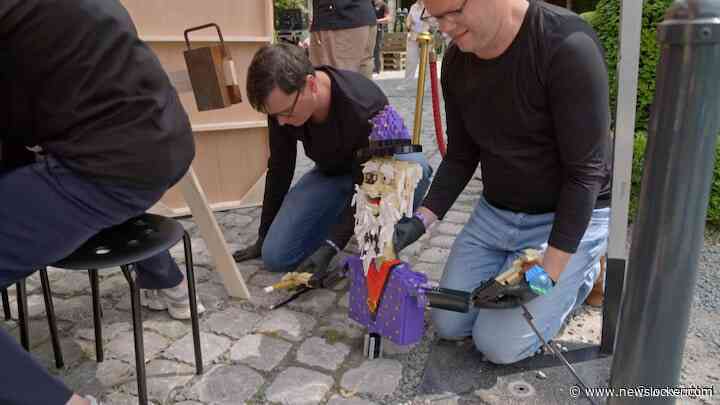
pixel 386 296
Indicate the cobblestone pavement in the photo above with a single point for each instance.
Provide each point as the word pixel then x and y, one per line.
pixel 306 353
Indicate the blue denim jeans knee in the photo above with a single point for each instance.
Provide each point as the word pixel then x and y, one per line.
pixel 486 246
pixel 311 208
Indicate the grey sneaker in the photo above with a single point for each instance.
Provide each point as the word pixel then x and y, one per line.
pixel 175 300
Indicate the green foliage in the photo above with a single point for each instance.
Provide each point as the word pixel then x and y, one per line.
pixel 286 4
pixel 640 144
pixel 606 23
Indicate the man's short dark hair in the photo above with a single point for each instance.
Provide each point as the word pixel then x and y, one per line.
pixel 277 65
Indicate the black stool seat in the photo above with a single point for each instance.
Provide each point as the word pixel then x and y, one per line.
pixel 124 246
pixel 135 240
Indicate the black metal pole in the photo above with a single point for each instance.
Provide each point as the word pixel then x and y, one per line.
pixel 670 225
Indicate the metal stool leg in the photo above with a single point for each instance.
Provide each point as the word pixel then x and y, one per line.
pixel 138 334
pixel 97 314
pixel 190 275
pixel 52 322
pixel 6 304
pixel 22 314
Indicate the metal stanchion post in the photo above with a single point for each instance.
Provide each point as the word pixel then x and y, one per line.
pixel 424 39
pixel 670 225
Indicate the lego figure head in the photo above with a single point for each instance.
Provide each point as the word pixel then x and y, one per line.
pixel 388 188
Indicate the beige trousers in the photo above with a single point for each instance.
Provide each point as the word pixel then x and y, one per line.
pixel 349 49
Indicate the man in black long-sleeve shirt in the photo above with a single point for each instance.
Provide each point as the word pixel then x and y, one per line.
pixel 526 96
pixel 329 111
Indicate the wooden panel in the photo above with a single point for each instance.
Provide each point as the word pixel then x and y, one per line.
pixel 172 17
pixel 171 56
pixel 228 164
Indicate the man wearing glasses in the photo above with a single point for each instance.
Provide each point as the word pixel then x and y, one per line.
pixel 328 110
pixel 526 95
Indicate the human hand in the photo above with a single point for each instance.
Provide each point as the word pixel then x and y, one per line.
pixel 407 231
pixel 534 283
pixel 318 261
pixel 251 252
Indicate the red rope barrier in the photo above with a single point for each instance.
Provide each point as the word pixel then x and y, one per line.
pixel 439 137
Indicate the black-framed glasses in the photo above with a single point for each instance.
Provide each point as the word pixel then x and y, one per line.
pixel 289 112
pixel 448 15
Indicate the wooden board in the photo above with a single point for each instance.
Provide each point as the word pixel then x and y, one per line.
pixel 236 18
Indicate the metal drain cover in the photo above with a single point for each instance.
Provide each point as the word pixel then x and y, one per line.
pixel 521 389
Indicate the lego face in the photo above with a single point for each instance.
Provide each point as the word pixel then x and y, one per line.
pixel 378 182
pixel 385 196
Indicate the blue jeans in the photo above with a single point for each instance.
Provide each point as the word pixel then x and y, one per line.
pixel 311 208
pixel 487 245
pixel 47 211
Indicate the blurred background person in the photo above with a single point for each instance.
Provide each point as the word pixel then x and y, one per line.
pixel 382 13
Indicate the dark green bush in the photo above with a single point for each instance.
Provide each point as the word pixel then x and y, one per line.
pixel 606 22
pixel 713 214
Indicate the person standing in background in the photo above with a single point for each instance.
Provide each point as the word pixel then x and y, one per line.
pixel 342 35
pixel 382 13
pixel 415 24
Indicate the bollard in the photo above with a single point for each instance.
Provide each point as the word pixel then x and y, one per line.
pixel 424 40
pixel 670 225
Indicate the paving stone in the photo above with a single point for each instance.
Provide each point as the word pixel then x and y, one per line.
pixel 345 301
pixel 435 255
pixel 342 285
pixel 468 198
pixel 338 400
pixel 391 349
pixel 112 372
pixel 287 324
pixel 109 331
pixel 39 331
pixel 113 286
pixel 71 350
pixel 123 346
pixel 432 270
pixel 70 282
pixel 449 228
pixel 213 295
pixel 316 301
pixel 442 241
pixel 247 269
pixel 457 217
pixel 262 300
pixel 162 377
pixel 200 254
pixel 119 398
pixel 169 328
pixel 447 398
pixel 339 327
pixel 73 309
pixel 260 351
pixel 92 378
pixel 213 346
pixel 474 187
pixel 230 220
pixel 463 207
pixel 265 278
pixel 232 321
pixel 229 385
pixel 378 376
pixel 189 403
pixel 319 353
pixel 299 386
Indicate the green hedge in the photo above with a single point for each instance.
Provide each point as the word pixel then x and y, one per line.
pixel 606 22
pixel 713 214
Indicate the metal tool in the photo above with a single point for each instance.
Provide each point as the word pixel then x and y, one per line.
pixel 528 317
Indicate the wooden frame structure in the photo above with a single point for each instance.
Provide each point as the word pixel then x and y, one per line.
pixel 232 143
